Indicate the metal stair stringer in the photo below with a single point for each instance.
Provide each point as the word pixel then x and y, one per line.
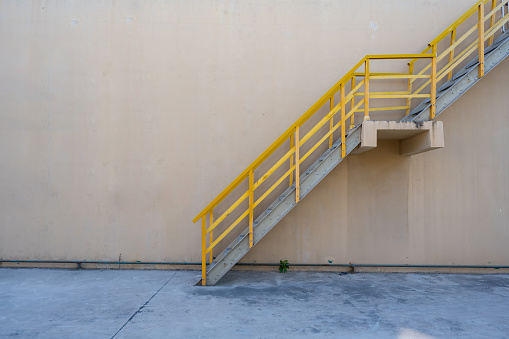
pixel 462 81
pixel 281 206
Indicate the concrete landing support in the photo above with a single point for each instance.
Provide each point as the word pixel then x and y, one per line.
pixel 414 138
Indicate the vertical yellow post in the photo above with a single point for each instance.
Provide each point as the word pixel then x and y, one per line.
pixel 492 19
pixel 331 121
pixel 451 54
pixel 203 255
pixel 433 82
pixel 297 165
pixel 409 88
pixel 352 105
pixel 343 122
pixel 211 258
pixel 366 90
pixel 251 208
pixel 481 40
pixel 291 160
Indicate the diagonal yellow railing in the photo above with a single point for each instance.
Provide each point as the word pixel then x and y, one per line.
pixel 358 80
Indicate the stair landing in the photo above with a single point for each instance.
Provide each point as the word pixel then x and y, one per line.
pixel 414 138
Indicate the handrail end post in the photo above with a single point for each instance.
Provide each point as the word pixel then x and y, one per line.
pixel 203 254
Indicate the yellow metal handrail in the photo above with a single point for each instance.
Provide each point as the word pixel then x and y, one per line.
pixel 294 133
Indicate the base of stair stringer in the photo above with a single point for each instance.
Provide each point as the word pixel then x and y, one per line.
pixel 263 224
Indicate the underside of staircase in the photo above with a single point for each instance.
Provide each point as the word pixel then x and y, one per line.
pixel 417 132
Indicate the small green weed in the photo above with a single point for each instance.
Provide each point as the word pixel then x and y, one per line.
pixel 283 266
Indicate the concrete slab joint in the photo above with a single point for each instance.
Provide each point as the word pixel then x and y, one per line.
pixel 414 138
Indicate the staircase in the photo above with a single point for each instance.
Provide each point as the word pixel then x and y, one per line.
pixel 266 191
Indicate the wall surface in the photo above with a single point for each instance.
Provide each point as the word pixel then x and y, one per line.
pixel 121 120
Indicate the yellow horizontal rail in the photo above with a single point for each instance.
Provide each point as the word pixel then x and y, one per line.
pixel 377 74
pixel 397 96
pixel 406 76
pixel 400 56
pixel 386 108
pixel 384 93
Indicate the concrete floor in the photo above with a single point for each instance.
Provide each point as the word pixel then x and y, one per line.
pixel 165 304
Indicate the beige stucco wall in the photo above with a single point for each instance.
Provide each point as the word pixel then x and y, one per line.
pixel 121 120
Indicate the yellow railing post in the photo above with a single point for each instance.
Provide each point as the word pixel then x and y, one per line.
pixel 203 255
pixel 481 39
pixel 433 93
pixel 297 165
pixel 492 19
pixel 343 138
pixel 451 54
pixel 409 88
pixel 211 258
pixel 331 121
pixel 291 160
pixel 251 180
pixel 352 105
pixel 366 89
